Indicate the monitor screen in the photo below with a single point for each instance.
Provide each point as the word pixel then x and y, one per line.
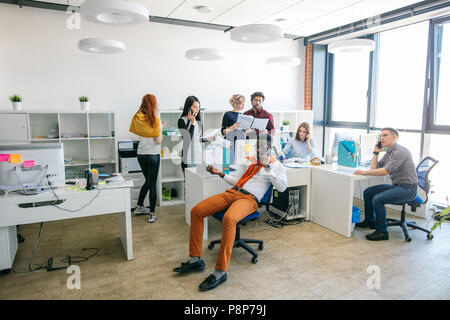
pixel 368 141
pixel 339 136
pixel 37 162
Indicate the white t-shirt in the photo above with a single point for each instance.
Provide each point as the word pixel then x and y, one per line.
pixel 149 145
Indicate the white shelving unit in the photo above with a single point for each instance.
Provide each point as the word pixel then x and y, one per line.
pixel 88 137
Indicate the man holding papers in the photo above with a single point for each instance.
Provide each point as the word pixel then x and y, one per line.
pixel 260 115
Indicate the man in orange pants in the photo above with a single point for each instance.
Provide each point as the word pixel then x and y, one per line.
pixel 239 201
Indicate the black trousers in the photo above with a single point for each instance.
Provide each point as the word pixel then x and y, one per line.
pixel 150 166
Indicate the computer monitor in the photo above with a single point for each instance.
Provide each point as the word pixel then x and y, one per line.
pixel 368 141
pixel 339 136
pixel 48 163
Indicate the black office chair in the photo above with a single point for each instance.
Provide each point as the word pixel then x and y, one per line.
pixel 423 171
pixel 243 243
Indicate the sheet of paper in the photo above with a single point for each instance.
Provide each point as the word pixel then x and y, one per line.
pixel 260 124
pixel 245 121
pixel 295 165
pixel 4 157
pixel 211 133
pixel 15 158
pixel 28 163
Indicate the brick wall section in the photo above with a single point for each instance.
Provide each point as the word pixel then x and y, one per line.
pixel 308 76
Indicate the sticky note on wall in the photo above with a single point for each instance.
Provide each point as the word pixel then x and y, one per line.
pixel 28 163
pixel 15 158
pixel 4 157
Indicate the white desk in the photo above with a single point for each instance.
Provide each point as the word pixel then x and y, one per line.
pixel 332 192
pixel 113 198
pixel 199 188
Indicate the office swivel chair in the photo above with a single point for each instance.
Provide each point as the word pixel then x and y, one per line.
pixel 243 243
pixel 423 171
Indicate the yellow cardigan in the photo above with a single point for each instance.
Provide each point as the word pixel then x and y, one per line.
pixel 139 125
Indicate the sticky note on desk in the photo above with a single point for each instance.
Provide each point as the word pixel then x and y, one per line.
pixel 15 158
pixel 4 157
pixel 28 163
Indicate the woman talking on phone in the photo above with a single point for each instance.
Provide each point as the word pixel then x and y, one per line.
pixel 191 131
pixel 302 146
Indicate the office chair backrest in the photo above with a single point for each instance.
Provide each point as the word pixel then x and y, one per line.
pixel 423 171
pixel 267 196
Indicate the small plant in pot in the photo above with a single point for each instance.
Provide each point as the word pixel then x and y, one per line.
pixel 84 103
pixel 16 101
pixel 285 126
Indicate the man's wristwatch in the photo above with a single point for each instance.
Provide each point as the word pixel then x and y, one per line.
pixel 376 153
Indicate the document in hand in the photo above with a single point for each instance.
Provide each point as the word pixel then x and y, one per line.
pixel 246 122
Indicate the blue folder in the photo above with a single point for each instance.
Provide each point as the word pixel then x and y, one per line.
pixel 347 153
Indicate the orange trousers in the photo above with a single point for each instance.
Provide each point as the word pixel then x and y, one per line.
pixel 238 206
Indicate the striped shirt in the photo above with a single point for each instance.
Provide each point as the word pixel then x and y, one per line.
pixel 399 164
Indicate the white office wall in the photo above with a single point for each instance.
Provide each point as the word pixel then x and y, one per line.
pixel 39 60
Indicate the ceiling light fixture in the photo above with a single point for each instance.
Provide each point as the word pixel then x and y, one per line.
pixel 284 61
pixel 257 33
pixel 114 12
pixel 204 54
pixel 351 46
pixel 204 9
pixel 99 45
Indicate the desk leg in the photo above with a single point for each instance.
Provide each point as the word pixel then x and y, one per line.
pixel 125 227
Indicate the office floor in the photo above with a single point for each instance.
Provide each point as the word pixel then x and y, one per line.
pixel 303 261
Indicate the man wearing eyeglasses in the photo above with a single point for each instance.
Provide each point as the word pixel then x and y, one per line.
pixel 257 111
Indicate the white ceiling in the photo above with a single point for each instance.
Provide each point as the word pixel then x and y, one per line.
pixel 303 17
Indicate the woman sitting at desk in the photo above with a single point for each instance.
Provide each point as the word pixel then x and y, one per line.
pixel 302 146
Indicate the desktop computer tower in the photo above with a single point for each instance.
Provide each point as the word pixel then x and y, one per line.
pixel 287 204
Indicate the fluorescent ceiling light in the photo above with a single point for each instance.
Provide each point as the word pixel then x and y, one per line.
pixel 114 12
pixel 284 61
pixel 257 33
pixel 204 54
pixel 351 46
pixel 98 45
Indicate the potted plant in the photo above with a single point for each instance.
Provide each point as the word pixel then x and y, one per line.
pixel 84 103
pixel 440 217
pixel 16 101
pixel 285 126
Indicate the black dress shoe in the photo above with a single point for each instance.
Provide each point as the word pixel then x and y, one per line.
pixel 211 282
pixel 377 236
pixel 186 267
pixel 366 224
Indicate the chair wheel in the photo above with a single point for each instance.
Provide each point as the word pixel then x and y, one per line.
pixel 255 260
pixel 210 246
pixel 260 246
pixel 430 236
pixel 408 239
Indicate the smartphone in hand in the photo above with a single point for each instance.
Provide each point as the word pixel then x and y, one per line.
pixel 379 146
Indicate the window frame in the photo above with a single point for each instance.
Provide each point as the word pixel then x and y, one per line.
pixel 329 94
pixel 430 99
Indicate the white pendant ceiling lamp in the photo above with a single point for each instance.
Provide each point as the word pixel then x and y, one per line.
pixel 351 46
pixel 257 33
pixel 284 61
pixel 204 54
pixel 99 45
pixel 114 12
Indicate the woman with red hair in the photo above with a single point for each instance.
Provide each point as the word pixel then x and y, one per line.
pixel 147 125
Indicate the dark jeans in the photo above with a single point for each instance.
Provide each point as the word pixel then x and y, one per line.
pixel 150 166
pixel 377 196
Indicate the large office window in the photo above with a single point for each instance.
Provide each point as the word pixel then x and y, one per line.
pixel 439 175
pixel 349 87
pixel 442 74
pixel 401 77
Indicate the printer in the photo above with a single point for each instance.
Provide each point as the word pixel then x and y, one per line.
pixel 128 157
